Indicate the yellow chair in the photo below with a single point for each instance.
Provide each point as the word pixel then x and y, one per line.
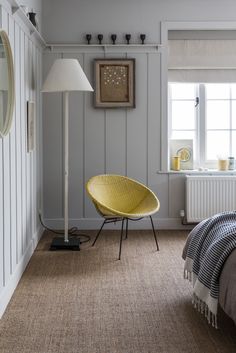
pixel 119 198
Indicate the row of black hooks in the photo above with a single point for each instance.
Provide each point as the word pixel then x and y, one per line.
pixel 114 38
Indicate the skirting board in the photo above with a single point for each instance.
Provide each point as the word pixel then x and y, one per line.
pixel 95 223
pixel 8 291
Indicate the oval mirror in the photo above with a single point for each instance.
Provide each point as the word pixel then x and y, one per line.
pixel 7 86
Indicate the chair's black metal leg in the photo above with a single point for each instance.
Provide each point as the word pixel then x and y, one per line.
pixel 121 236
pixel 154 233
pixel 126 230
pixel 98 233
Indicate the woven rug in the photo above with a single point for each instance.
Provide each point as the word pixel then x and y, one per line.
pixel 89 302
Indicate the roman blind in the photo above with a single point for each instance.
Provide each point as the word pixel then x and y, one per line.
pixel 202 61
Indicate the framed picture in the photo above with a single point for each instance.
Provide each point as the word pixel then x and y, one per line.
pixel 184 150
pixel 114 83
pixel 30 126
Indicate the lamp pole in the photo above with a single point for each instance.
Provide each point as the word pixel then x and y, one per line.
pixel 66 163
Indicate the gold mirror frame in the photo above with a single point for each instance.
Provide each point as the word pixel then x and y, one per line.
pixel 11 84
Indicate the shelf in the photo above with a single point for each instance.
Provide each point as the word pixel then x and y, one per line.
pixel 105 47
pixel 199 172
pixel 101 45
pixel 16 9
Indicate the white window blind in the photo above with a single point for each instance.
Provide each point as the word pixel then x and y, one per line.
pixel 208 61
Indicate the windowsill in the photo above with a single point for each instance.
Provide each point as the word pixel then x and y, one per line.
pixel 199 172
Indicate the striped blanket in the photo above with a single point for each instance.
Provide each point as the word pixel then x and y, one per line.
pixel 211 242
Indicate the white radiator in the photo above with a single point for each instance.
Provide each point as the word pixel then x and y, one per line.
pixel 208 195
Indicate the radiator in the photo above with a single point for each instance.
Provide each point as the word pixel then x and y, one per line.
pixel 208 195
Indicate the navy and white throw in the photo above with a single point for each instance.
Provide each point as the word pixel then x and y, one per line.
pixel 211 242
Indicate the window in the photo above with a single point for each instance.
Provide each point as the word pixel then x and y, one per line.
pixel 205 113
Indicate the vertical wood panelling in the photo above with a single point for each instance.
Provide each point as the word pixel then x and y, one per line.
pixel 122 141
pixel 153 124
pixel 35 151
pixel 6 189
pixel 18 170
pixel 137 125
pixel 39 161
pixel 162 190
pixel 176 188
pixel 27 155
pixel 13 166
pixel 1 221
pixel 76 142
pixel 23 139
pixel 94 136
pixel 52 147
pixel 30 154
pixel 154 112
pixel 115 137
pixel 18 145
pixel 1 205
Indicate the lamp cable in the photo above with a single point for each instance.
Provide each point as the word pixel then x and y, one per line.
pixel 74 231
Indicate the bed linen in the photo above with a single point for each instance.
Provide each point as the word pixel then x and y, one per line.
pixel 212 243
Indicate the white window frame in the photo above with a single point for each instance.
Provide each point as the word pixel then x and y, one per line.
pixel 200 153
pixel 165 28
pixel 196 129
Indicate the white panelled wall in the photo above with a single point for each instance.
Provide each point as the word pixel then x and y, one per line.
pixel 20 174
pixel 119 141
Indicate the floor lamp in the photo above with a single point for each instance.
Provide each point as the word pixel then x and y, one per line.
pixel 66 75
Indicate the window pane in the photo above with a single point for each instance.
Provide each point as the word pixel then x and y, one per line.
pixel 233 91
pixel 233 114
pixel 183 91
pixel 183 135
pixel 217 91
pixel 233 152
pixel 217 144
pixel 217 115
pixel 183 115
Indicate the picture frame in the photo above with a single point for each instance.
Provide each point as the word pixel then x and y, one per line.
pixel 30 126
pixel 184 150
pixel 114 83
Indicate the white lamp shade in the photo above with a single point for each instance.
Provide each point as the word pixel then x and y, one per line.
pixel 66 75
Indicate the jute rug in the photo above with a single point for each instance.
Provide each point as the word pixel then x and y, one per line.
pixel 89 302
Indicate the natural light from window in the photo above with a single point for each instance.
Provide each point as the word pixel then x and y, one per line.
pixel 205 113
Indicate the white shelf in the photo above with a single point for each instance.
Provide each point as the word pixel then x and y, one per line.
pixel 52 45
pixel 199 172
pixel 16 9
pixel 112 48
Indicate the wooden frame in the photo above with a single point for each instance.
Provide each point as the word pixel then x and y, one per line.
pixel 114 83
pixel 7 120
pixel 30 126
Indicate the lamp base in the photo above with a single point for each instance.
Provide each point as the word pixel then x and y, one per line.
pixel 58 243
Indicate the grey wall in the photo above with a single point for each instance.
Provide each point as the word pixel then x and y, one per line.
pixel 113 141
pixel 67 21
pixel 20 171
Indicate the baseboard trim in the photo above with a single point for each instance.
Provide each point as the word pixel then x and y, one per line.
pixel 95 223
pixel 9 289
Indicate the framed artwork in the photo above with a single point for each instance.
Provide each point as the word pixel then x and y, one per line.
pixel 114 83
pixel 30 126
pixel 184 150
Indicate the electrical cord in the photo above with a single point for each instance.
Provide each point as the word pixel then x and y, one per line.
pixel 72 231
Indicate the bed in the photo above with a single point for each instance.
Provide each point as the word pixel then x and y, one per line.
pixel 210 264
